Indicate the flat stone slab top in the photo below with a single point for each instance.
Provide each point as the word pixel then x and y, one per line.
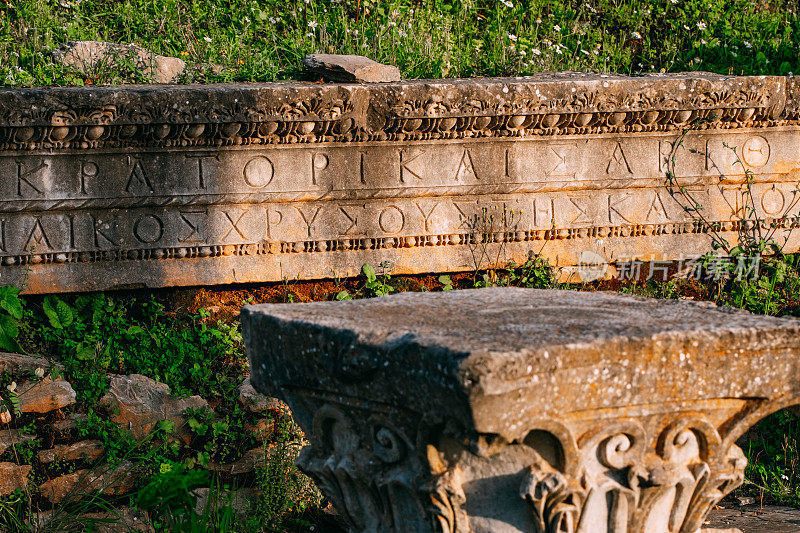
pixel 517 410
pixel 152 186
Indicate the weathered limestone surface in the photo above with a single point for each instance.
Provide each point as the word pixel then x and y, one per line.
pixel 195 185
pixel 521 410
pixel 350 68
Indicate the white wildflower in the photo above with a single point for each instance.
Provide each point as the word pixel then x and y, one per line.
pixel 512 37
pixel 39 372
pixel 538 20
pixel 557 27
pixel 636 35
pixel 12 387
pixel 747 44
pixel 207 39
pixel 507 3
pixel 701 25
pixel 312 24
pixel 536 52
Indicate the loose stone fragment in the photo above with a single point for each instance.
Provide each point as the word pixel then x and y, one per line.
pixel 256 402
pixel 508 410
pixel 65 426
pixel 120 519
pixel 350 68
pixel 242 501
pixel 247 463
pixel 13 477
pixel 22 366
pixel 9 437
pixel 45 396
pixel 113 480
pixel 139 403
pixel 92 57
pixel 83 450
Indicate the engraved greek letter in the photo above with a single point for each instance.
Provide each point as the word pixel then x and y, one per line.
pixel 3 235
pixel 138 174
pixel 22 177
pixel 89 169
pixel 258 172
pixel 404 168
pixel 465 167
pixel 618 159
pixel 583 216
pixel 99 228
pixel 657 208
pixel 268 219
pixel 353 220
pixel 319 162
pixel 234 224
pixel 201 176
pixel 543 212
pixel 193 234
pixel 37 236
pixel 614 205
pixel 391 220
pixel 426 217
pixel 310 223
pixel 148 229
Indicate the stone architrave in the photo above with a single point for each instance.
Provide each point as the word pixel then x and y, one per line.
pixel 520 410
pixel 124 187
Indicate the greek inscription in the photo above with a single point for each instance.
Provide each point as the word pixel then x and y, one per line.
pixel 201 171
pixel 89 169
pixel 193 219
pixel 657 209
pixel 3 235
pixel 258 172
pixel 309 219
pixel 71 219
pixel 138 177
pixel 426 217
pixel 351 219
pixel 773 201
pixel 558 157
pixel 583 210
pixel 466 169
pixel 755 151
pixel 148 229
pixel 270 221
pixel 614 205
pixel 22 177
pixel 319 161
pixel 104 230
pixel 234 224
pixel 391 220
pixel 37 236
pixel 618 161
pixel 404 170
pixel 543 212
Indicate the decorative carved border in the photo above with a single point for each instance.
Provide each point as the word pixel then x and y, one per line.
pixel 375 243
pixel 244 115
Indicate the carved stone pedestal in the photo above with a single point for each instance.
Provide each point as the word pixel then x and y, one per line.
pixel 520 410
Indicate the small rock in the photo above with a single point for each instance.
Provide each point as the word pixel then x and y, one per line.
pixel 350 68
pixel 120 519
pixel 141 403
pixel 745 500
pixel 120 479
pixel 45 396
pixel 9 437
pixel 255 402
pixel 248 462
pixel 90 57
pixel 86 449
pixel 13 477
pixel 22 366
pixel 64 427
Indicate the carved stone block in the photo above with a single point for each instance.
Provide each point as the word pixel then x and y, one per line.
pixel 520 410
pixel 196 185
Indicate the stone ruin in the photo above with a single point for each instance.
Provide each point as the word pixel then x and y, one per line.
pixel 520 410
pixel 129 187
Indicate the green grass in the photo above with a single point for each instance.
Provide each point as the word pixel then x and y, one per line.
pixel 266 40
